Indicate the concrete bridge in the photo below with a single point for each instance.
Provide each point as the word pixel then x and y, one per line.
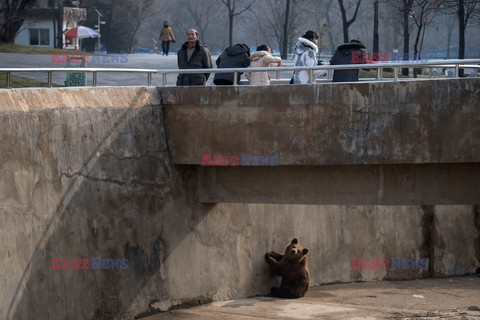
pixel 370 170
pixel 373 143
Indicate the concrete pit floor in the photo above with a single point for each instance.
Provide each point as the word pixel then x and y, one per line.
pixel 435 298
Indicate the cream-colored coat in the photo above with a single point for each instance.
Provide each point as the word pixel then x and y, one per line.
pixel 260 59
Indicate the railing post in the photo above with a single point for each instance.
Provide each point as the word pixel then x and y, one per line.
pixel 149 79
pixel 379 73
pixel 311 75
pixel 49 79
pixel 456 70
pixel 164 79
pixel 9 81
pixel 395 73
pixel 235 78
pixel 94 78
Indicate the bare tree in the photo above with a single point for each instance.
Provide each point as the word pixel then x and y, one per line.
pixel 405 8
pixel 124 18
pixel 347 22
pixel 12 15
pixel 376 40
pixel 284 50
pixel 199 14
pixel 450 24
pixel 464 9
pixel 235 8
pixel 392 25
pixel 273 21
pixel 422 14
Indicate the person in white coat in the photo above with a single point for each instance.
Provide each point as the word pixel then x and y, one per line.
pixel 306 56
pixel 258 59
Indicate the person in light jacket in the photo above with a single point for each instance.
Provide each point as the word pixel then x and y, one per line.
pixel 306 56
pixel 166 36
pixel 262 58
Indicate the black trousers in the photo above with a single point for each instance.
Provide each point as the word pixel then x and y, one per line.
pixel 165 47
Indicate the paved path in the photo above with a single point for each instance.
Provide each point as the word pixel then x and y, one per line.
pixel 440 298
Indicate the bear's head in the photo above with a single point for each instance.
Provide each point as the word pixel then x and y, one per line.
pixel 294 251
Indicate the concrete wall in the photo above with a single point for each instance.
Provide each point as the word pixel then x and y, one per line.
pixel 365 123
pixel 391 143
pixel 87 173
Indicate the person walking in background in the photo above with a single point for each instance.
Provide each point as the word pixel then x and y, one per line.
pixel 262 58
pixel 353 52
pixel 193 55
pixel 166 36
pixel 236 56
pixel 306 56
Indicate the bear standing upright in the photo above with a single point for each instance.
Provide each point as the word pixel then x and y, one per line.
pixel 292 267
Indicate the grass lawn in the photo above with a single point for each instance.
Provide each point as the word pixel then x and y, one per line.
pixel 17 82
pixel 18 48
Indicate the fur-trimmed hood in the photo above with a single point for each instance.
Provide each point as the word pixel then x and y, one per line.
pixel 304 45
pixel 237 49
pixel 257 55
pixel 347 47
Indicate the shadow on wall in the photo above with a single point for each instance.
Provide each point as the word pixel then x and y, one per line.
pixel 116 204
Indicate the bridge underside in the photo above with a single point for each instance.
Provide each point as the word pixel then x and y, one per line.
pixel 424 184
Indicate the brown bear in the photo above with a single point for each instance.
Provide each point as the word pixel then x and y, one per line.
pixel 292 267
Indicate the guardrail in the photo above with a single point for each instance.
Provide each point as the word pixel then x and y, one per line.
pixel 454 64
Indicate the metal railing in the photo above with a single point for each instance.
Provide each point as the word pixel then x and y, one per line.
pixel 380 67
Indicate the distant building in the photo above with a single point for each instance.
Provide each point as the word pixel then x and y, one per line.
pixel 37 29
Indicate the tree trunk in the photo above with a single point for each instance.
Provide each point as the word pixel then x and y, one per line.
pixel 54 23
pixel 461 32
pixel 59 26
pixel 345 21
pixel 375 28
pixel 230 32
pixel 449 38
pixel 284 53
pixel 407 5
pixel 416 55
pixel 343 11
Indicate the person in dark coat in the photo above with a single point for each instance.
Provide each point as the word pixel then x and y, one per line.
pixel 236 56
pixel 353 52
pixel 193 55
